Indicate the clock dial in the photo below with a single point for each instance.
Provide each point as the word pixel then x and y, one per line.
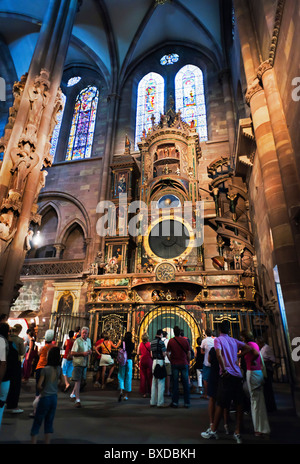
pixel 165 272
pixel 168 239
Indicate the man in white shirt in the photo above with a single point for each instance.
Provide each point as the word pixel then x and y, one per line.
pixel 81 351
pixel 206 345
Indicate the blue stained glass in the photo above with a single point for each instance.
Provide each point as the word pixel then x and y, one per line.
pixel 190 99
pixel 150 103
pixel 83 124
pixel 169 59
pixel 73 80
pixel 56 130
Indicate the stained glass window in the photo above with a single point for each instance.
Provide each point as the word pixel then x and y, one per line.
pixel 169 59
pixel 189 98
pixel 73 80
pixel 56 130
pixel 150 102
pixel 83 124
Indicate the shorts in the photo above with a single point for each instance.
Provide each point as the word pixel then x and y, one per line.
pixel 230 388
pixel 205 372
pixel 106 360
pixel 67 367
pixel 78 373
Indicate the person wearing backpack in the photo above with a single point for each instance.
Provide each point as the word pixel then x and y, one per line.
pixel 125 366
pixel 106 358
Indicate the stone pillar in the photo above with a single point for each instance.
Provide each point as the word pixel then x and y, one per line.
pixel 224 77
pixel 284 148
pixel 26 156
pixel 284 246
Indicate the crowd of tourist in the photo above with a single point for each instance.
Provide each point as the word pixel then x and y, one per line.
pixel 228 372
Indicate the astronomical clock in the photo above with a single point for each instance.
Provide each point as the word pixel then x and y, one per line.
pixel 180 251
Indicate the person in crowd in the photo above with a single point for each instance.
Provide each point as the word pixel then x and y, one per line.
pixel 77 332
pixel 125 371
pixel 31 353
pixel 212 388
pixel 16 381
pixel 42 362
pixel 106 358
pixel 199 365
pixel 158 354
pixel 4 375
pixel 206 344
pixel 230 386
pixel 81 350
pixel 47 386
pixel 255 381
pixel 179 354
pixel 97 367
pixel 269 360
pixel 145 364
pixel 168 366
pixel 27 338
pixel 67 361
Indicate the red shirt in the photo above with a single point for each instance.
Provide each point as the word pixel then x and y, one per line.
pixel 179 348
pixel 97 345
pixel 68 345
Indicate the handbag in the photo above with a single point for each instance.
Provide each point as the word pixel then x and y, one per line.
pixel 122 356
pixel 160 372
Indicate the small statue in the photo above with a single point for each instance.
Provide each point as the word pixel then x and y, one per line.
pixel 112 266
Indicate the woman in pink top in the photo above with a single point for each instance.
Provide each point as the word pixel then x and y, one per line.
pixel 255 382
pixel 145 366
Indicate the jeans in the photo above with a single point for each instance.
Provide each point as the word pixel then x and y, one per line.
pixel 125 376
pixel 184 370
pixel 45 412
pixel 4 389
pixel 157 387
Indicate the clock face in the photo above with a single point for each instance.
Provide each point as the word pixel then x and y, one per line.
pixel 169 239
pixel 165 272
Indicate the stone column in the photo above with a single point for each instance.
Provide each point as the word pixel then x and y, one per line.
pixel 284 148
pixel 224 77
pixel 284 247
pixel 27 156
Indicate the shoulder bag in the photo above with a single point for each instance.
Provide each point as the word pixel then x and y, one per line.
pixel 160 372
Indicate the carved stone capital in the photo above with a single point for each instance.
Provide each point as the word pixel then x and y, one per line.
pixel 254 88
pixel 263 67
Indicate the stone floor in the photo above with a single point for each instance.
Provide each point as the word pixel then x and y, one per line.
pixel 103 420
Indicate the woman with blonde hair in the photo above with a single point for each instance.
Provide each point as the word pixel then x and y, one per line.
pixel 144 353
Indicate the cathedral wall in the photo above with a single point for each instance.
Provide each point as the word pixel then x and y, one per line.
pixel 287 71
